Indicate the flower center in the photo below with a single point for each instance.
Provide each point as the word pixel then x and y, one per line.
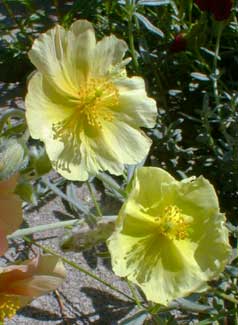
pixel 94 98
pixel 172 223
pixel 8 306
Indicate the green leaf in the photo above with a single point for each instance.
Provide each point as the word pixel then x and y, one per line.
pixel 26 191
pixel 41 161
pixel 136 319
pixel 200 76
pixel 149 25
pixel 153 2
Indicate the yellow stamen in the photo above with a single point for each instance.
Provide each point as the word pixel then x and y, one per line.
pixel 172 224
pixel 94 104
pixel 94 98
pixel 8 306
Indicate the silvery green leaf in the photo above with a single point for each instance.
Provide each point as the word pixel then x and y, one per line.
pixel 149 25
pixel 153 2
pixel 200 76
pixel 212 53
pixel 136 319
pixel 186 304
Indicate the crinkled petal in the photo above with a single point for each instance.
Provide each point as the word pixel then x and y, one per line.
pixel 62 56
pixel 80 53
pixel 197 195
pixel 213 262
pixel 134 221
pixel 108 53
pixel 163 271
pixel 48 54
pixel 167 267
pixel 135 107
pixel 130 145
pixel 87 158
pixel 151 196
pixel 44 107
pixel 115 145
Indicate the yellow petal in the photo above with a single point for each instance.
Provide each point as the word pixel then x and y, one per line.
pixel 129 144
pixel 48 54
pixel 108 53
pixel 64 57
pixel 171 235
pixel 135 107
pixel 81 47
pixel 44 107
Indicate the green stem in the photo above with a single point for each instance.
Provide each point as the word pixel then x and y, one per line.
pixel 138 302
pixel 130 10
pixel 111 183
pixel 226 297
pixel 32 230
pixel 79 268
pixel 215 76
pixel 90 188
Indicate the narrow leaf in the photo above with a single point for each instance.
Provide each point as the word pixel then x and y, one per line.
pixel 200 76
pixel 153 2
pixel 136 319
pixel 149 25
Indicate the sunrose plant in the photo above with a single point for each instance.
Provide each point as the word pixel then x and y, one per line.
pixel 83 106
pixel 19 284
pixel 170 237
pixel 10 211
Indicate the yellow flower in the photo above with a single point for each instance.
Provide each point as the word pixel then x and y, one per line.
pixel 19 284
pixel 170 237
pixel 10 211
pixel 82 105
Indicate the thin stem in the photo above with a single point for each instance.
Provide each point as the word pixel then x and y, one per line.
pixel 215 76
pixel 130 9
pixel 32 230
pixel 111 183
pixel 133 292
pixel 90 188
pixel 226 297
pixel 79 268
